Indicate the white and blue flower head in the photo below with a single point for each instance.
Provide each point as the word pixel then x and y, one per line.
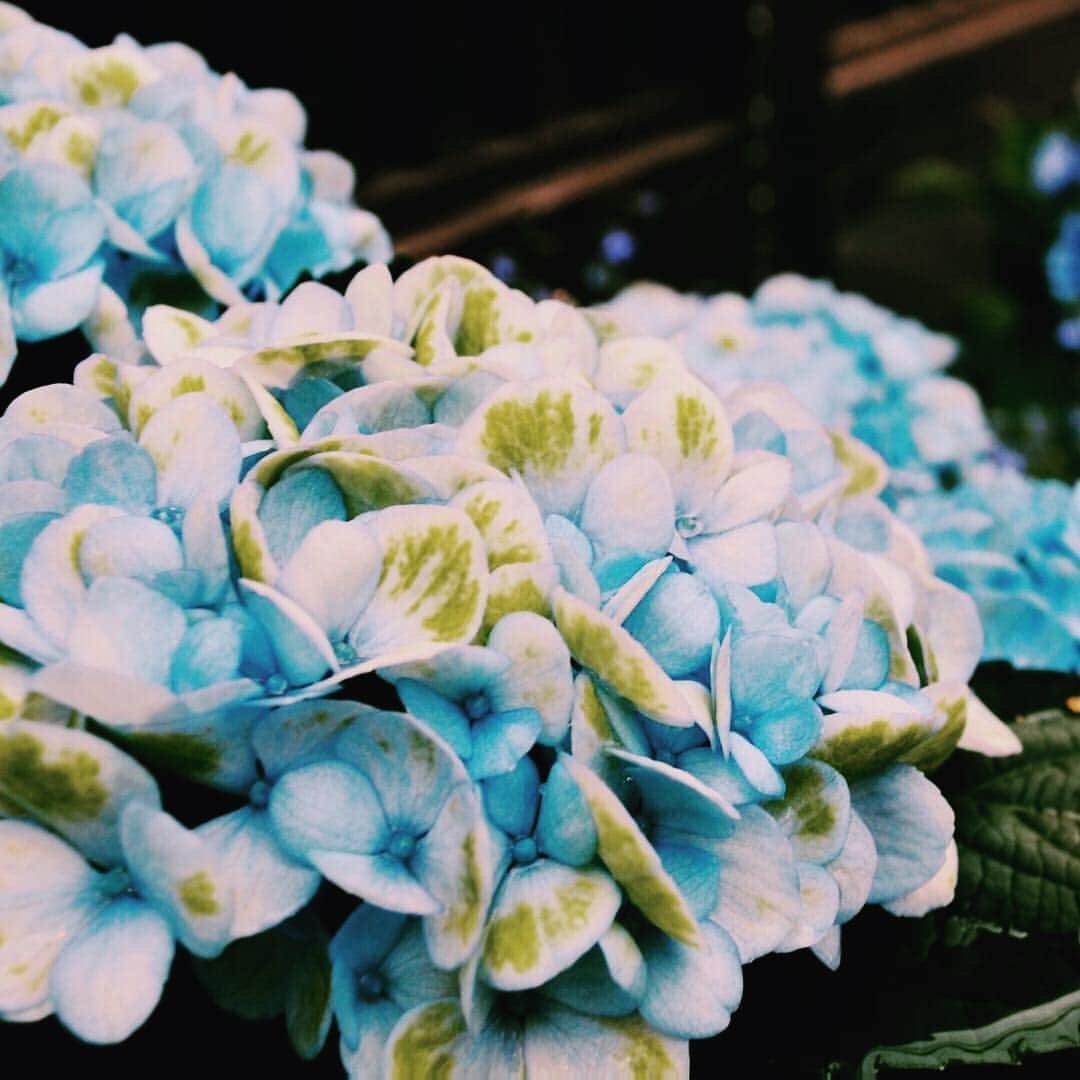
pixel 96 884
pixel 856 366
pixel 672 675
pixel 130 170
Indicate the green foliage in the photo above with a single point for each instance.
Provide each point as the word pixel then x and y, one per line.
pixel 1018 830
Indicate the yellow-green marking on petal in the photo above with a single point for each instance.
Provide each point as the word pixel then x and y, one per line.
pixel 535 435
pixel 513 940
pixel 695 425
pixel 804 798
pixel 68 788
pixel 643 1054
pixel 421 1051
pixel 197 894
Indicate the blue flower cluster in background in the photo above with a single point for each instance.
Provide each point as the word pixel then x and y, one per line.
pixel 671 675
pixel 1008 539
pixel 1055 172
pixel 132 173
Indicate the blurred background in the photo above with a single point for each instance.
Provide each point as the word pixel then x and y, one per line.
pixel 884 145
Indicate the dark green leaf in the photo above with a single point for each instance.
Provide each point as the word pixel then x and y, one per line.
pixel 307 1003
pixel 1018 830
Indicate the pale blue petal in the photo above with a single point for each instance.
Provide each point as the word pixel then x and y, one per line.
pixel 787 732
pixel 129 547
pixel 853 869
pixel 501 740
pixel 912 827
pixel 113 471
pixel 208 653
pixel 328 806
pixel 511 800
pixel 677 621
pixel 108 980
pixel 691 991
pixel 126 628
pixel 295 505
pixel 565 828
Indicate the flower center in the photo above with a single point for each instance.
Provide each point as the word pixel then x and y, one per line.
pixel 18 271
pixel 259 795
pixel 477 706
pixel 370 986
pixel 345 653
pixel 276 684
pixel 402 845
pixel 116 882
pixel 687 526
pixel 173 516
pixel 524 850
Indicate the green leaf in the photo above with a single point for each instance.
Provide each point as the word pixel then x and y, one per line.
pixel 307 999
pixel 1018 830
pixel 1054 1025
pixel 284 970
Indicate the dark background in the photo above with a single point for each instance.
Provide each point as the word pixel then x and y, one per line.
pixel 880 144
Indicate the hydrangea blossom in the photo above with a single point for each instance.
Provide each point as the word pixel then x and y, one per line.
pixel 1055 172
pixel 671 675
pixel 1006 539
pixel 131 172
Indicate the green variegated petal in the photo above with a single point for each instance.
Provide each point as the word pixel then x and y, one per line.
pixel 865 471
pixel 370 296
pixel 195 376
pixel 507 520
pixel 109 329
pixel 563 1042
pixel 951 701
pixel 433 585
pixel 172 333
pixel 106 78
pixel 412 288
pixel 449 474
pixel 58 403
pixel 853 572
pixel 553 432
pixel 619 661
pixel 368 483
pixel 985 734
pixel 681 423
pixel 633 364
pixel 597 722
pixel 456 864
pixel 539 675
pixel 98 375
pixel 432 340
pixel 282 429
pixel 871 729
pixel 433 1040
pixel 545 917
pixel 278 366
pixel 519 587
pixel 815 810
pixel 631 859
pixel 74 783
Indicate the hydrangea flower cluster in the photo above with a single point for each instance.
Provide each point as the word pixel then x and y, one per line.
pixel 855 365
pixel 1055 172
pixel 130 173
pixel 1007 539
pixel 671 676
pixel 1013 543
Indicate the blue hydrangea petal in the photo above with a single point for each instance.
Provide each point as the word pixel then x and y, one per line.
pixel 853 869
pixel 208 653
pixel 511 800
pixel 411 768
pixel 17 535
pixel 113 471
pixel 770 671
pixel 298 502
pixel 565 829
pixel 609 980
pixel 49 308
pixel 912 826
pixel 126 628
pixel 743 556
pixel 327 806
pixel 108 979
pixel 678 621
pixel 129 547
pixel 501 739
pixel 820 898
pixel 380 879
pixel 691 992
